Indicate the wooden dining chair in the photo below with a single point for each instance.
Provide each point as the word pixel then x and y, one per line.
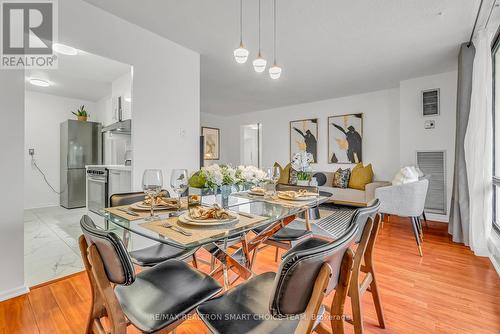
pixel 156 300
pixel 159 252
pixel 288 301
pixel 368 221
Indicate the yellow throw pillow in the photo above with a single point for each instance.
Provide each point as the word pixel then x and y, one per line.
pixel 361 176
pixel 284 173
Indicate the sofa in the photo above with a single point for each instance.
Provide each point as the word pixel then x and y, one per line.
pixel 349 196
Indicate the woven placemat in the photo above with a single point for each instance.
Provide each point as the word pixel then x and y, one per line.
pixel 199 233
pixel 141 213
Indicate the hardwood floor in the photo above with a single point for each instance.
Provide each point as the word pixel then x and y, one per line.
pixel 449 290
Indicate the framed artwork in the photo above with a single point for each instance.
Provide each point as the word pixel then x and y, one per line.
pixel 345 139
pixel 211 143
pixel 304 137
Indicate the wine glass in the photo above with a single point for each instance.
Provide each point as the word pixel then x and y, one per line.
pixel 179 183
pixel 273 174
pixel 152 182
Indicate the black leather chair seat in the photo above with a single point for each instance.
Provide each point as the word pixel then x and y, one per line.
pixel 160 294
pixel 153 255
pixel 285 234
pixel 245 309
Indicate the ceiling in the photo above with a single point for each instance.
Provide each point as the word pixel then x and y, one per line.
pixel 327 48
pixel 83 76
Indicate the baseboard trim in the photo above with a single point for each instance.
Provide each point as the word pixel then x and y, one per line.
pixel 494 249
pixel 14 293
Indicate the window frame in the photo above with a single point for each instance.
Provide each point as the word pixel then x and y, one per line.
pixel 495 47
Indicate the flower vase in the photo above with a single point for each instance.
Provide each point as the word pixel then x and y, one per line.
pixel 225 192
pixel 303 183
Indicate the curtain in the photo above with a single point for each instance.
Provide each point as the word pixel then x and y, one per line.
pixel 478 146
pixel 458 226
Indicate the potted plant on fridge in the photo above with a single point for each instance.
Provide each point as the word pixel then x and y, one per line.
pixel 81 113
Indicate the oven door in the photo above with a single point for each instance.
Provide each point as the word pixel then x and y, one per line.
pixel 97 192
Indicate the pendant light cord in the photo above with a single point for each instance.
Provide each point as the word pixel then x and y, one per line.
pixel 259 28
pixel 241 22
pixel 274 12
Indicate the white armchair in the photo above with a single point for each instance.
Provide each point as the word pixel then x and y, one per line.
pixel 405 200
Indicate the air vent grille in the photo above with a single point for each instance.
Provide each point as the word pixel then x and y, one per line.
pixel 433 165
pixel 430 102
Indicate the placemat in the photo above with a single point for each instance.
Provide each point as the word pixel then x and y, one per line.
pixel 142 214
pixel 277 200
pixel 199 233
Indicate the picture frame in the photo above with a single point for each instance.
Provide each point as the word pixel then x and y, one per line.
pixel 211 143
pixel 345 139
pixel 303 134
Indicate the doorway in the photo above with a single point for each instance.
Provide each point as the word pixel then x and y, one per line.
pixel 251 144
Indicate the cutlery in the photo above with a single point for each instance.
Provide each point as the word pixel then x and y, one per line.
pixel 177 229
pixel 129 212
pixel 245 214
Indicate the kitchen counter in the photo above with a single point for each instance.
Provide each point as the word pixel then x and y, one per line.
pixel 112 167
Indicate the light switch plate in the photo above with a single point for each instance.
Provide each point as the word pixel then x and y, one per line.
pixel 430 124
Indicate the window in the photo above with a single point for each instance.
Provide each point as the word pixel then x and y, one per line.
pixel 496 133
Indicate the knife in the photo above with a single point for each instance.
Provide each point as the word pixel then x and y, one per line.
pixel 129 212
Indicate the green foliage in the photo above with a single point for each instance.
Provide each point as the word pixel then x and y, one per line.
pixel 81 112
pixel 197 180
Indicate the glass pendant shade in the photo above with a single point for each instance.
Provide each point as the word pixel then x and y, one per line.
pixel 259 64
pixel 275 71
pixel 241 54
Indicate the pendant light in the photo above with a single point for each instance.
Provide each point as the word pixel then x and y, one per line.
pixel 259 64
pixel 241 54
pixel 275 70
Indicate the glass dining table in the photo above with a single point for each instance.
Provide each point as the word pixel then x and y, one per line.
pixel 253 212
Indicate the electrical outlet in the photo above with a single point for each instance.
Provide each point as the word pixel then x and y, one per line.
pixel 31 151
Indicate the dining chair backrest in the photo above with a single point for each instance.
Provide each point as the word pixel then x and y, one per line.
pixel 299 269
pixel 130 198
pixel 361 215
pixel 116 261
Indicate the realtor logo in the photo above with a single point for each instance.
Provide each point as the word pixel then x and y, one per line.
pixel 28 31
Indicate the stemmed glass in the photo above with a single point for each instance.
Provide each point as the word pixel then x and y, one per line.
pixel 152 182
pixel 179 183
pixel 273 174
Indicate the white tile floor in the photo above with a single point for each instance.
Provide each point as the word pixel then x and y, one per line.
pixel 51 243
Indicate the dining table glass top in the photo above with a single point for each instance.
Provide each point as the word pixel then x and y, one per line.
pixel 252 211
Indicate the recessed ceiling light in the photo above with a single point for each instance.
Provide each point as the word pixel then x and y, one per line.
pixel 40 82
pixel 64 49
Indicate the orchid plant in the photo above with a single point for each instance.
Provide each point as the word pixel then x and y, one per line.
pixel 301 163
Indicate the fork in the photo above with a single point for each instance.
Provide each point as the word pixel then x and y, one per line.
pixel 177 229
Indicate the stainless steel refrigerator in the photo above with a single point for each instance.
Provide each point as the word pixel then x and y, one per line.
pixel 80 146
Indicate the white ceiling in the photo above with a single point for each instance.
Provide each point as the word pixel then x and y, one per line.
pixel 327 48
pixel 83 76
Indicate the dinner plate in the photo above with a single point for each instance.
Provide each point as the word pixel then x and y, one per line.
pixel 301 198
pixel 141 207
pixel 255 193
pixel 186 219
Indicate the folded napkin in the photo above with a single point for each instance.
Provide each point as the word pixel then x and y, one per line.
pixel 258 190
pixel 161 200
pixel 296 194
pixel 215 212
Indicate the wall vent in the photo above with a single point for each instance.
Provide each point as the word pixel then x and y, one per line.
pixel 433 165
pixel 430 102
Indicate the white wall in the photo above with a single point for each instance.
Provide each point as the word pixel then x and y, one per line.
pixel 380 130
pixel 166 85
pixel 43 114
pixel 166 99
pixel 413 135
pixel 12 181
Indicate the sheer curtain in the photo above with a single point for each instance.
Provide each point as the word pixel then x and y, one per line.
pixel 479 146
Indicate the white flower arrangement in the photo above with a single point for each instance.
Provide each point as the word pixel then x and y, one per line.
pixel 301 162
pixel 214 176
pixel 250 174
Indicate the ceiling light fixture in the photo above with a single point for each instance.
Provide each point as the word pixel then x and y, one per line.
pixel 259 64
pixel 39 82
pixel 64 49
pixel 275 70
pixel 241 54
